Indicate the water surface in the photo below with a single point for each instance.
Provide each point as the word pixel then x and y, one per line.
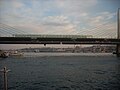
pixel 62 71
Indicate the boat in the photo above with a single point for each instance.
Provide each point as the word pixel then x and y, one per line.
pixel 16 53
pixel 4 54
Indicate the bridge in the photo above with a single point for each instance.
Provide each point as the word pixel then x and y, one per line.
pixel 57 40
pixel 61 39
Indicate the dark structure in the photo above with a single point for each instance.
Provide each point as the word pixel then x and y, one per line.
pixel 118 45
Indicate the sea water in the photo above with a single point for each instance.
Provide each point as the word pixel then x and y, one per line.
pixel 62 71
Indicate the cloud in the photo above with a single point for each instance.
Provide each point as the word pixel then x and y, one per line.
pixel 108 15
pixel 59 25
pixel 56 16
pixel 17 4
pixel 49 25
pixel 100 18
pixel 99 25
pixel 103 31
pixel 75 5
pixel 56 21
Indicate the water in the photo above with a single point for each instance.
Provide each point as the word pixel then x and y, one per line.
pixel 62 71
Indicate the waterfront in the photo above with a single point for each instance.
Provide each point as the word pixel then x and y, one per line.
pixel 62 71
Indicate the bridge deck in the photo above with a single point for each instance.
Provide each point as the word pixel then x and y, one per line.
pixel 29 40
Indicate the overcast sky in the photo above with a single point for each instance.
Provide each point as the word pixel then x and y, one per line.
pixel 93 17
pixel 96 17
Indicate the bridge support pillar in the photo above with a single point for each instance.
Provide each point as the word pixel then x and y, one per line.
pixel 118 45
pixel 118 50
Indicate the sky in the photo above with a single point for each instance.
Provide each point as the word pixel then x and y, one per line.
pixel 95 17
pixel 81 17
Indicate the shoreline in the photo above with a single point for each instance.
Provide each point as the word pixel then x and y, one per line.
pixel 66 54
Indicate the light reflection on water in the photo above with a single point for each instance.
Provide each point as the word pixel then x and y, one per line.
pixel 63 71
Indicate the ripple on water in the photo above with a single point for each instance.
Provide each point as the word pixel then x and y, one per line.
pixel 100 72
pixel 63 73
pixel 63 88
